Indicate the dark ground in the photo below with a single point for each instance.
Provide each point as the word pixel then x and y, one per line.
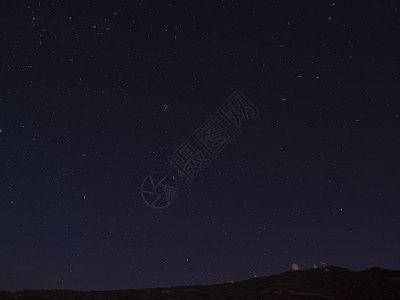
pixel 337 283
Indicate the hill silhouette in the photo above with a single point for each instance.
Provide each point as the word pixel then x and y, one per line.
pixel 330 283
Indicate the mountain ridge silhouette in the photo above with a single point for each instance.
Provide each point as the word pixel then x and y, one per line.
pixel 330 282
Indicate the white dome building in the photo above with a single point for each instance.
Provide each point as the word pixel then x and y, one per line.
pixel 294 267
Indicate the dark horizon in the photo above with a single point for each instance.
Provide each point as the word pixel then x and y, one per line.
pixel 327 282
pixel 328 268
pixel 95 97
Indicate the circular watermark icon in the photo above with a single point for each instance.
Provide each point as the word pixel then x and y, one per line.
pixel 159 190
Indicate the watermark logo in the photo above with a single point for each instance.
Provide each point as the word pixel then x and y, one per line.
pixel 159 190
pixel 205 144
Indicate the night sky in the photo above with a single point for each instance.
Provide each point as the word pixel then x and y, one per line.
pixel 94 97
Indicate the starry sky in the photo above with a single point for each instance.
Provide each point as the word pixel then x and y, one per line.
pixel 96 95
